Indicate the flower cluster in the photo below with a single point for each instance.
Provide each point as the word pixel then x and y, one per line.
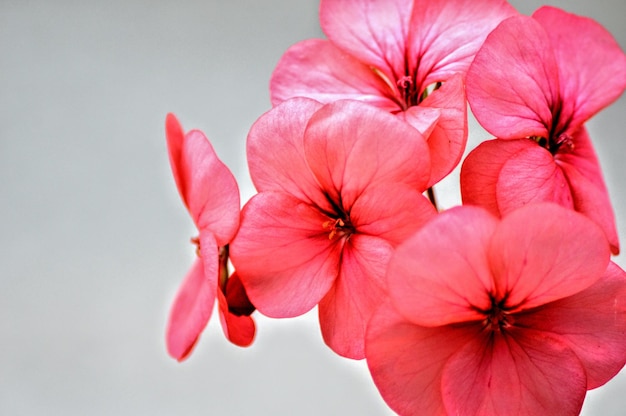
pixel 507 305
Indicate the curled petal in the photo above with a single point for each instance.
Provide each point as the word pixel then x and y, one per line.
pixel 238 329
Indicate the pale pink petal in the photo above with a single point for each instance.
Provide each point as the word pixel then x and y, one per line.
pixel 317 69
pixel 592 66
pixel 592 323
pixel 392 212
pixel 406 360
pixel 175 137
pixel 283 254
pixel 238 329
pixel 194 302
pixel 357 292
pixel 441 275
pixel 513 84
pixel 543 252
pixel 350 146
pixel 444 35
pixel 584 174
pixel 276 153
pixel 481 169
pixel 374 32
pixel 531 175
pixel 524 373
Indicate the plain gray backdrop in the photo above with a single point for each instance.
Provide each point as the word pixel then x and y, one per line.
pixel 95 240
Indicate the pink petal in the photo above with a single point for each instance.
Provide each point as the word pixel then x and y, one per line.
pixel 514 98
pixel 524 372
pixel 592 66
pixel 392 212
pixel 531 175
pixel 444 35
pixel 373 32
pixel 357 292
pixel 481 171
pixel 206 185
pixel 406 361
pixel 592 323
pixel 283 254
pixel 236 297
pixel 584 174
pixel 543 252
pixel 441 275
pixel 193 303
pixel 238 329
pixel 350 146
pixel 317 69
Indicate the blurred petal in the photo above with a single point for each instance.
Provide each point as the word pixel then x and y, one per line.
pixel 592 66
pixel 441 275
pixel 357 292
pixel 514 98
pixel 406 360
pixel 522 373
pixel 238 329
pixel 283 254
pixel 317 69
pixel 544 252
pixel 592 323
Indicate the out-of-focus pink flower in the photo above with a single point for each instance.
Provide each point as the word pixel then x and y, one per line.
pixel 339 186
pixel 392 54
pixel 210 193
pixel 534 82
pixel 518 316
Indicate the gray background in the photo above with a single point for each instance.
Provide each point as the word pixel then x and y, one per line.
pixel 94 239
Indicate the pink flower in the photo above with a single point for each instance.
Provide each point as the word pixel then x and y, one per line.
pixel 392 54
pixel 487 317
pixel 554 71
pixel 210 193
pixel 339 186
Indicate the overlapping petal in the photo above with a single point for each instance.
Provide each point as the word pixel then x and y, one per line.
pixel 238 329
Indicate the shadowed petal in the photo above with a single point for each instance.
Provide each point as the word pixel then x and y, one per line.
pixel 238 329
pixel 592 323
pixel 543 252
pixel 283 254
pixel 357 292
pixel 441 274
pixel 524 373
pixel 514 98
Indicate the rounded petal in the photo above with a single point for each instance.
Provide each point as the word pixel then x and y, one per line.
pixel 350 146
pixel 525 373
pixel 406 360
pixel 441 274
pixel 357 292
pixel 544 252
pixel 592 323
pixel 317 69
pixel 592 66
pixel 238 329
pixel 283 254
pixel 515 97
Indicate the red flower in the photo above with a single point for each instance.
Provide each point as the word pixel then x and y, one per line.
pixel 339 186
pixel 534 82
pixel 210 193
pixel 486 317
pixel 392 54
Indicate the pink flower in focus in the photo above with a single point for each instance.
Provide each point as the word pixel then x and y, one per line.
pixel 392 54
pixel 535 82
pixel 339 186
pixel 487 317
pixel 210 193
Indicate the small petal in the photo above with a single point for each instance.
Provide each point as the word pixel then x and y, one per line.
pixel 238 329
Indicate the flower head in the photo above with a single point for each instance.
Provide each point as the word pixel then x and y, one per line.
pixel 518 316
pixel 554 71
pixel 210 193
pixel 339 186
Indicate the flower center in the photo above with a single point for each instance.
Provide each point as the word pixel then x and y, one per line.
pixel 564 141
pixel 498 317
pixel 338 227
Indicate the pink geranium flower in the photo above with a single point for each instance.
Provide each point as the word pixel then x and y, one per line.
pixel 392 54
pixel 535 82
pixel 518 316
pixel 339 186
pixel 210 193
